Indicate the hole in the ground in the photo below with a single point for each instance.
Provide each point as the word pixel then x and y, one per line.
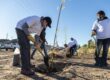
pixel 54 67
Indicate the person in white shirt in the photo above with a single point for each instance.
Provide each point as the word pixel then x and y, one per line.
pixel 101 28
pixel 72 47
pixel 24 29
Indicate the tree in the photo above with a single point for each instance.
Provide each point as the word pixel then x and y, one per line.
pixel 91 44
pixel 85 45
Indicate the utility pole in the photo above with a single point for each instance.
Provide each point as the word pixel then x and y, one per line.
pixel 7 36
pixel 65 34
pixel 55 38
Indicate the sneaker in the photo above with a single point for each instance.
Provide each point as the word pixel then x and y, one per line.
pixel 104 65
pixel 32 66
pixel 97 64
pixel 32 58
pixel 27 72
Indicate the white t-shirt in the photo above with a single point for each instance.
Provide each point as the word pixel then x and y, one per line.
pixel 102 28
pixel 70 44
pixel 34 24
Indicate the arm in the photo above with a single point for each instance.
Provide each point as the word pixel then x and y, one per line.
pixel 94 29
pixel 42 36
pixel 36 43
pixel 25 29
pixel 93 33
pixel 46 42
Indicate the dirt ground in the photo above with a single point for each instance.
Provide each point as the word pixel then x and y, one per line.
pixel 75 68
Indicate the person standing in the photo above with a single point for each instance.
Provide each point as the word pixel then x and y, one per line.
pixel 101 28
pixel 24 29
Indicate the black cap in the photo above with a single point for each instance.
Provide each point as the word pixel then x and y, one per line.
pixel 72 38
pixel 48 19
pixel 101 12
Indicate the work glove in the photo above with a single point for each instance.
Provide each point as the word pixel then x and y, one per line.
pixel 31 38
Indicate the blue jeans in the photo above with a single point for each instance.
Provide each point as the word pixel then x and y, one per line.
pixel 102 43
pixel 73 49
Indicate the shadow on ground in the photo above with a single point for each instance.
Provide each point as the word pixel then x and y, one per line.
pixel 59 66
pixel 90 65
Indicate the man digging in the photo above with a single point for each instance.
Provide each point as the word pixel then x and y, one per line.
pixel 24 29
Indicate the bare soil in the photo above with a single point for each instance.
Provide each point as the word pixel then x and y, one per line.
pixel 79 67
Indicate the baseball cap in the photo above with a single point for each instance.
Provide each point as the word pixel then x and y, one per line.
pixel 49 21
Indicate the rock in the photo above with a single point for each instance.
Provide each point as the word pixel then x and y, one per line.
pixel 69 75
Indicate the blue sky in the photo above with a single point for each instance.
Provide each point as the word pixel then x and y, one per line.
pixel 76 18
